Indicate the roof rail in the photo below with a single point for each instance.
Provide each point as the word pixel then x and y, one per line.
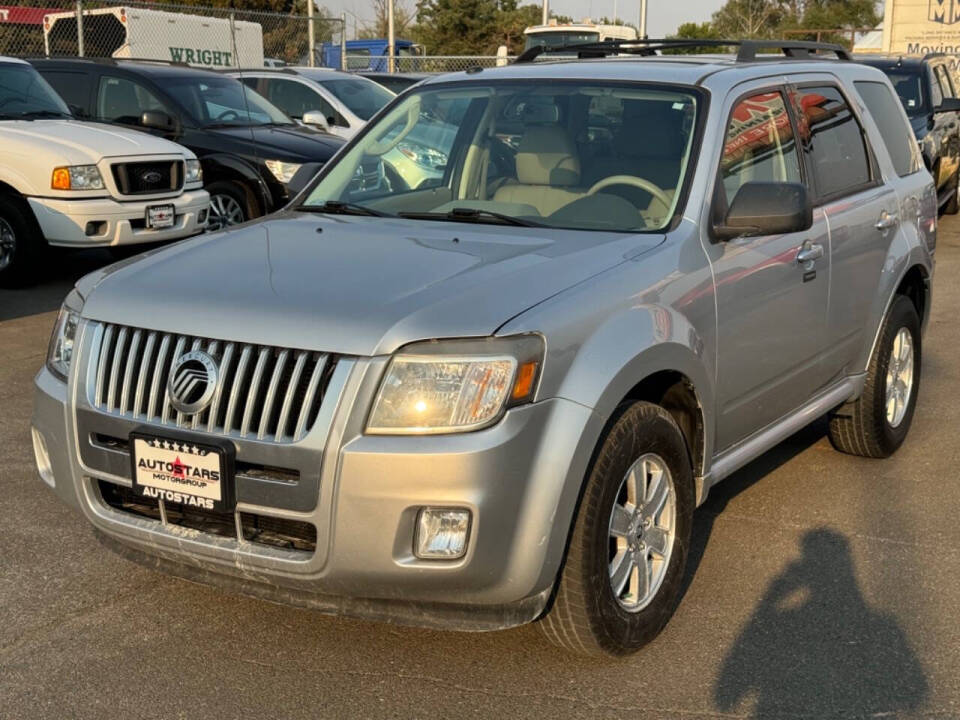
pixel 748 52
pixel 116 61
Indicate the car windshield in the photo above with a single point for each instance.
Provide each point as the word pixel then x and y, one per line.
pixel 223 102
pixel 909 89
pixel 363 97
pixel 553 39
pixel 591 156
pixel 24 94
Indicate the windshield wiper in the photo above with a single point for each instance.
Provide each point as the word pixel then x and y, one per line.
pixel 471 215
pixel 39 114
pixel 335 207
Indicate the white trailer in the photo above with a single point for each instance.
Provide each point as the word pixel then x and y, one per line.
pixel 139 34
pixel 555 34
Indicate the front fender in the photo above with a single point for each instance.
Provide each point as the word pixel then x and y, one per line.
pixel 218 165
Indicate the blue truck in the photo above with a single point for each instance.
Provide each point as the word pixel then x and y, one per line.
pixel 368 55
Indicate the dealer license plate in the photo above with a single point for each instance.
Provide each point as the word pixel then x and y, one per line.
pixel 160 216
pixel 182 471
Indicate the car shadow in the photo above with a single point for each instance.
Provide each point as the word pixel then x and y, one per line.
pixel 58 272
pixel 814 647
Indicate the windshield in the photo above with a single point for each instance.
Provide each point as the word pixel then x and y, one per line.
pixel 23 93
pixel 363 97
pixel 909 89
pixel 556 39
pixel 223 102
pixel 591 156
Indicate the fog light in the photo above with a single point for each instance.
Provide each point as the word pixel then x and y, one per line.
pixel 442 533
pixel 42 456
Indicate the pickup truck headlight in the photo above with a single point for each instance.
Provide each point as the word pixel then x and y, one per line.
pixel 282 171
pixel 60 350
pixel 76 177
pixel 455 386
pixel 193 172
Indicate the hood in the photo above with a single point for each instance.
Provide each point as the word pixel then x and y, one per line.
pixel 351 285
pixel 80 143
pixel 292 143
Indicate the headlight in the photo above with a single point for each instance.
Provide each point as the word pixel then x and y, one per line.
pixel 455 386
pixel 76 177
pixel 194 173
pixel 60 351
pixel 423 156
pixel 282 171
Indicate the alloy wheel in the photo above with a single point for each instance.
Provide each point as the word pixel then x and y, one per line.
pixel 8 244
pixel 224 211
pixel 899 384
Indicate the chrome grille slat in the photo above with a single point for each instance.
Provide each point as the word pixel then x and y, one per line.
pixel 264 393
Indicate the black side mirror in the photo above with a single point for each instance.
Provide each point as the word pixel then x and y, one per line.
pixel 948 105
pixel 157 120
pixel 765 208
pixel 302 177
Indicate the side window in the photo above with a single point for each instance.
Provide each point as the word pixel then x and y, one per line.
pixel 295 99
pixel 759 145
pixel 936 95
pixel 73 87
pixel 122 101
pixel 833 141
pixel 946 87
pixel 896 133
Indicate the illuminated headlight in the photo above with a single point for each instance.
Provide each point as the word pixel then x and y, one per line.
pixel 76 177
pixel 455 386
pixel 282 171
pixel 193 172
pixel 60 350
pixel 423 156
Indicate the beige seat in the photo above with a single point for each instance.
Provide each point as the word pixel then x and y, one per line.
pixel 548 170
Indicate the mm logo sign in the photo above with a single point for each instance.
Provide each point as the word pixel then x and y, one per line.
pixel 945 12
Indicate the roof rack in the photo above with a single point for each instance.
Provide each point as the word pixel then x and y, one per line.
pixel 748 52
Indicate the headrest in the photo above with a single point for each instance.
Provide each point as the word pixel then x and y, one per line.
pixel 547 156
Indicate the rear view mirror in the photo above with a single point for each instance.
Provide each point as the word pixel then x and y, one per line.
pixel 762 208
pixel 316 119
pixel 157 120
pixel 948 105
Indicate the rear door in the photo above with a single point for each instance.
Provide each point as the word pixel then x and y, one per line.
pixel 862 213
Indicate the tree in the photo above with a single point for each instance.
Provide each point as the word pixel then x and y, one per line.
pixel 748 18
pixel 403 20
pixel 457 27
pixel 512 19
pixel 694 31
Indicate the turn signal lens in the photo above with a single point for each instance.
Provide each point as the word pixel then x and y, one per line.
pixel 61 179
pixel 523 387
pixel 77 177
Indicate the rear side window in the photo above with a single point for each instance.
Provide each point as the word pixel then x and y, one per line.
pixel 759 145
pixel 833 141
pixel 73 87
pixel 895 132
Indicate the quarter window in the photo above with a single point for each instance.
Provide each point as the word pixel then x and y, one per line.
pixel 759 145
pixel 833 141
pixel 894 130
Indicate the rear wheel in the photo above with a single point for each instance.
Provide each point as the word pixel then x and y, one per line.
pixel 876 424
pixel 624 567
pixel 20 242
pixel 228 205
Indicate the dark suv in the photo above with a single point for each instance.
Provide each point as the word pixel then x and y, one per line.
pixel 249 149
pixel 931 97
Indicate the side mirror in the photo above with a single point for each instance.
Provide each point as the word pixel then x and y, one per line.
pixel 317 119
pixel 764 208
pixel 948 105
pixel 302 177
pixel 157 120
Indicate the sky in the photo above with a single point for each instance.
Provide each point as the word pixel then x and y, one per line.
pixel 663 16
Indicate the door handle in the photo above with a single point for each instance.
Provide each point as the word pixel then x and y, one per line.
pixel 809 252
pixel 887 221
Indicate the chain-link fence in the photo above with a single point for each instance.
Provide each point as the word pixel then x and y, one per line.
pixel 192 34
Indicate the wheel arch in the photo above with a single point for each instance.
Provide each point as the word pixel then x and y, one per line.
pixel 219 168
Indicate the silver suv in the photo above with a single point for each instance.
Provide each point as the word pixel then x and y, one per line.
pixel 500 397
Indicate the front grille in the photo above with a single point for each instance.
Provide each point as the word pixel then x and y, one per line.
pixel 250 527
pixel 264 392
pixel 146 178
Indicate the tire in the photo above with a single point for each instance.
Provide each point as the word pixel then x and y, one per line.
pixel 588 616
pixel 864 427
pixel 21 243
pixel 952 206
pixel 229 205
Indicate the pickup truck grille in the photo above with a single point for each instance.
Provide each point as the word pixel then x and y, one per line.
pixel 148 178
pixel 265 393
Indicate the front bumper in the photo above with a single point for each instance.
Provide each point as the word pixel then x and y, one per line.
pixel 520 479
pixel 66 222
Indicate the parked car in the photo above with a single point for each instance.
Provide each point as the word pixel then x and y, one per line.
pixel 333 101
pixel 500 399
pixel 928 93
pixel 72 184
pixel 248 148
pixel 396 82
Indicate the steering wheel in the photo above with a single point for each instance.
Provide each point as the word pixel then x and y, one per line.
pixel 223 116
pixel 631 180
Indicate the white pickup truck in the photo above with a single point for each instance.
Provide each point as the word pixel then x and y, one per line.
pixel 74 184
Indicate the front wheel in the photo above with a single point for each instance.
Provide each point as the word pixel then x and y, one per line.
pixel 20 242
pixel 624 567
pixel 228 205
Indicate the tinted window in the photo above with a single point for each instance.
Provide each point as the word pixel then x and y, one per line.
pixel 24 92
pixel 833 141
pixel 295 98
pixel 123 101
pixel 73 87
pixel 759 145
pixel 895 132
pixel 223 102
pixel 909 88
